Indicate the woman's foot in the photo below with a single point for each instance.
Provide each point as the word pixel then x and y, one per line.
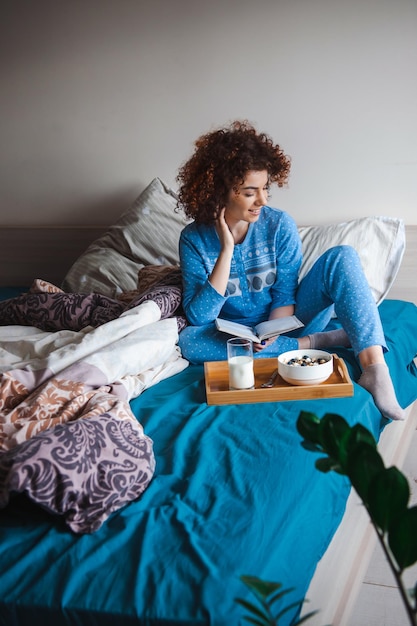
pixel 376 379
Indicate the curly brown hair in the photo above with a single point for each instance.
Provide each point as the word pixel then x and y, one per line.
pixel 220 162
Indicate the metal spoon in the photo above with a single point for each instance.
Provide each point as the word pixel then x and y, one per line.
pixel 270 381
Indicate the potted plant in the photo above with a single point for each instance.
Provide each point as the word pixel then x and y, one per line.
pixel 352 451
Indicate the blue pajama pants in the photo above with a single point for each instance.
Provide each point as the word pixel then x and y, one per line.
pixel 335 284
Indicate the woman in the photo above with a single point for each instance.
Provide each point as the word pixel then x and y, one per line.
pixel 240 260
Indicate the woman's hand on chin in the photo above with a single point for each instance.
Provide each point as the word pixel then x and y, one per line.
pixel 225 235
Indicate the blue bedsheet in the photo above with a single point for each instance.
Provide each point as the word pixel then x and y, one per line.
pixel 234 493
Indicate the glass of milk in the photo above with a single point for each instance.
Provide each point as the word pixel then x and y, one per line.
pixel 240 361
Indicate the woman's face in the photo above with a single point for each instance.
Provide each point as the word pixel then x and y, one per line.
pixel 246 204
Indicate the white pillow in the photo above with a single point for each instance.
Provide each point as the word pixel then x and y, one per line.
pixel 379 241
pixel 146 234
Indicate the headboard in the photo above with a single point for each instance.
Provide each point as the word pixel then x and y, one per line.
pixel 48 252
pixel 41 252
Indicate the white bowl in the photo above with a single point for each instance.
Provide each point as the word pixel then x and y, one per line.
pixel 305 374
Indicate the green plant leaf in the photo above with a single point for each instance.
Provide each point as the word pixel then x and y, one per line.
pixel 262 588
pixel 311 447
pixel 277 596
pixel 253 620
pixel 308 425
pixel 388 497
pixel 413 595
pixel 363 463
pixel 326 464
pixel 305 618
pixel 342 442
pixel 402 538
pixel 257 622
pixel 255 610
pixel 360 434
pixel 333 430
pixel 290 607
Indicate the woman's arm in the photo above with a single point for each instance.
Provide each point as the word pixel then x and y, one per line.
pixel 201 300
pixel 221 271
pixel 282 311
pixel 205 265
pixel 288 262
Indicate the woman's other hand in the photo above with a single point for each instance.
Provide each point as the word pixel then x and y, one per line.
pixel 258 347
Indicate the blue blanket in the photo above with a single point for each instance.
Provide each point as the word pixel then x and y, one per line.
pixel 234 493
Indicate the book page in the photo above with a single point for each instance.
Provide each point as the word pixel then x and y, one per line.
pixel 236 329
pixel 272 328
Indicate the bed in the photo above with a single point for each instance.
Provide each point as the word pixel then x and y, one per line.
pixel 202 494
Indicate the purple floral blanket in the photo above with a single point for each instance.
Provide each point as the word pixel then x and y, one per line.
pixel 68 438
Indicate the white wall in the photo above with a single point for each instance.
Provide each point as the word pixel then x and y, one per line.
pixel 100 96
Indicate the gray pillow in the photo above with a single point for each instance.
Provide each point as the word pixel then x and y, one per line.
pixel 146 234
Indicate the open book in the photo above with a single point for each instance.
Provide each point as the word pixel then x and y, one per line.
pixel 263 330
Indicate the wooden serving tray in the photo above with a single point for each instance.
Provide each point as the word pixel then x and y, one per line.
pixel 216 374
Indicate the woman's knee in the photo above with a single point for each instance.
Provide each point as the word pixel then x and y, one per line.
pixel 190 344
pixel 342 261
pixel 202 343
pixel 342 253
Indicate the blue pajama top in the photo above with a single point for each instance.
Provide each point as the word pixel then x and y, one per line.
pixel 263 275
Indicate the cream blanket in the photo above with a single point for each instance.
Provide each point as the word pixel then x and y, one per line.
pixel 49 378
